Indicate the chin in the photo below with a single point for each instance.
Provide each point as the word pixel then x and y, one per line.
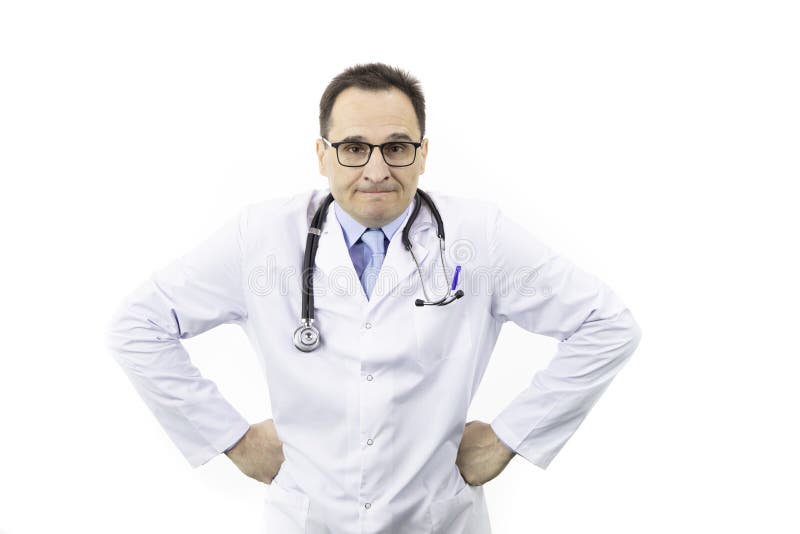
pixel 378 212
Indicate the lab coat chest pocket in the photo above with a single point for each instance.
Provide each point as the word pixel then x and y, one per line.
pixel 441 331
pixel 285 511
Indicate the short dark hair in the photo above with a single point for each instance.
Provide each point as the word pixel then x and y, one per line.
pixel 372 77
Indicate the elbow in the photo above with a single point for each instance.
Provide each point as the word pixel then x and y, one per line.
pixel 116 333
pixel 135 333
pixel 634 333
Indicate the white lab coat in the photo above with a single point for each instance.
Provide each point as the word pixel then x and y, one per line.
pixel 371 421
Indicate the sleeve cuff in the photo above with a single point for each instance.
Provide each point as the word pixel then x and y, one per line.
pixel 237 441
pixel 202 457
pixel 510 439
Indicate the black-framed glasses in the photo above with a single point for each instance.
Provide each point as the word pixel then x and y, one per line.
pixel 357 154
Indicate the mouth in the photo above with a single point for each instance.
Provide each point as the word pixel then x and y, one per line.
pixel 376 192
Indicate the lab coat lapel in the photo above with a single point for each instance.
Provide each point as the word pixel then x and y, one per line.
pixel 333 258
pixel 398 265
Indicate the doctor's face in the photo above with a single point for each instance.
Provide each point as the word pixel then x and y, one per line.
pixel 376 193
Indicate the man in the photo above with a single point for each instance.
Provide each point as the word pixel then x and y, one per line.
pixel 369 430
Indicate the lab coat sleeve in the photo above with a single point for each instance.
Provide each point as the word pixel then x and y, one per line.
pixel 545 293
pixel 196 292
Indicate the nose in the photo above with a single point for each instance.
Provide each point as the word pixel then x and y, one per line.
pixel 376 169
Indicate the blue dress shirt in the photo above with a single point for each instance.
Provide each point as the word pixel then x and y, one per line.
pixel 359 252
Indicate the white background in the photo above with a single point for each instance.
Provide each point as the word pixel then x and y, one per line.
pixel 653 143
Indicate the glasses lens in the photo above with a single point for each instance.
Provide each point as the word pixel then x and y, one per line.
pixel 399 153
pixel 353 153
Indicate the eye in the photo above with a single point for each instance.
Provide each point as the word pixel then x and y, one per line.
pixel 396 148
pixel 353 148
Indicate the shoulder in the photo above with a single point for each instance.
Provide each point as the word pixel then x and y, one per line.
pixel 270 219
pixel 456 207
pixel 286 210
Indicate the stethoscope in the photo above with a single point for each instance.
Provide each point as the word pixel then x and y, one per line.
pixel 306 337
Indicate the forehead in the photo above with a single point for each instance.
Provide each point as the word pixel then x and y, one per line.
pixel 373 113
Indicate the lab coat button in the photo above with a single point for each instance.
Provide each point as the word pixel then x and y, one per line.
pixel 367 325
pixel 370 442
pixel 367 505
pixel 369 378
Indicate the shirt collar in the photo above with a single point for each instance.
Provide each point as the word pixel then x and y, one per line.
pixel 353 229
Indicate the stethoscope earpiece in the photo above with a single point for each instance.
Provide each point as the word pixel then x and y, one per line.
pixel 457 295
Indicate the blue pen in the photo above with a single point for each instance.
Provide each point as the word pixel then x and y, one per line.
pixel 455 277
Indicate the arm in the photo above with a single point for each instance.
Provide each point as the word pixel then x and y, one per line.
pixel 544 293
pixel 194 293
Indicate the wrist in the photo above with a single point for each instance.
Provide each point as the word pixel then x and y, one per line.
pixel 504 448
pixel 230 449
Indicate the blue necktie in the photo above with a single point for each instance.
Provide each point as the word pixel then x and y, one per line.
pixel 373 238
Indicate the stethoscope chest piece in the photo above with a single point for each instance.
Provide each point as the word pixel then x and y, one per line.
pixel 306 337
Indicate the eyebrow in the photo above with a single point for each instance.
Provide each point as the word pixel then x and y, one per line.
pixel 397 136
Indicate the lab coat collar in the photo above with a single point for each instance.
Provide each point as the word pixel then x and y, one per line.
pixel 353 229
pixel 398 265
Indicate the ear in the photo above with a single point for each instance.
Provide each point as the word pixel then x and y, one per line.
pixel 423 154
pixel 320 147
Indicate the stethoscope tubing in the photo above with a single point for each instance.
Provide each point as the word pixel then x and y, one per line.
pixel 306 337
